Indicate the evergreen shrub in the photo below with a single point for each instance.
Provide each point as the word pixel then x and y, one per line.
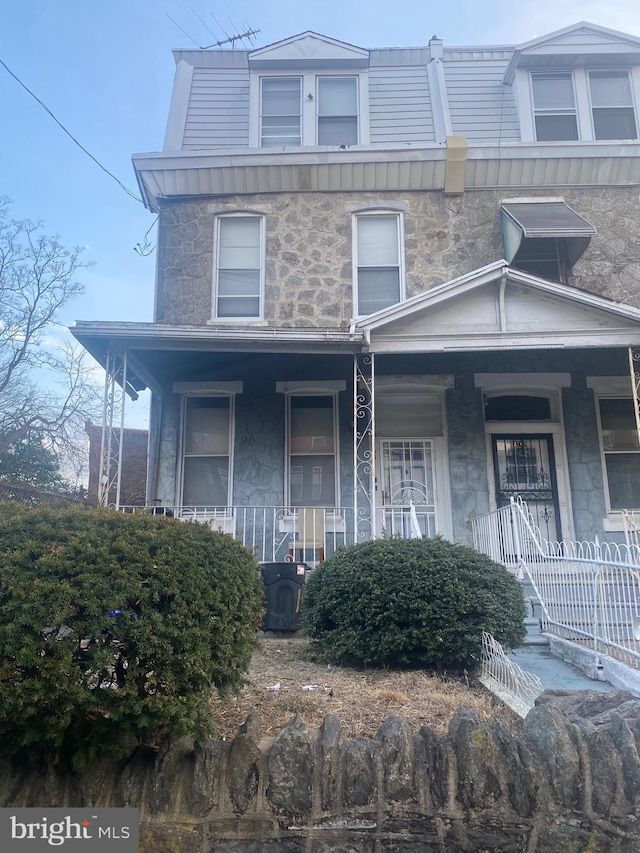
pixel 410 603
pixel 114 628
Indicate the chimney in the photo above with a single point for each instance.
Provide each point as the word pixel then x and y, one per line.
pixel 435 48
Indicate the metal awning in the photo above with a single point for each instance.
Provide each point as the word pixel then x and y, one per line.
pixel 544 218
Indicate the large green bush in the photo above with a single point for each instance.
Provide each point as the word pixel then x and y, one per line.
pixel 113 629
pixel 415 603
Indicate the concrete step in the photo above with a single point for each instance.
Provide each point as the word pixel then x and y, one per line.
pixel 535 640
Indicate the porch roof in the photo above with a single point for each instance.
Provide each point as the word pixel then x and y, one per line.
pixel 497 307
pixel 148 345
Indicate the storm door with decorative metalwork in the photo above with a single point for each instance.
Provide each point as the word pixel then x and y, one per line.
pixel 407 479
pixel 524 467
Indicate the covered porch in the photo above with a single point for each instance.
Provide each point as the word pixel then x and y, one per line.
pixel 413 422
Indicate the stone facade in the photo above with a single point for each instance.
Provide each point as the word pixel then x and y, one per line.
pixel 569 780
pixel 309 272
pixel 258 476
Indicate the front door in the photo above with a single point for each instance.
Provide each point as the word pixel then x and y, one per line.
pixel 407 487
pixel 524 467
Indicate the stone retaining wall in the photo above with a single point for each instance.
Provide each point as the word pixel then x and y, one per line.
pixel 568 781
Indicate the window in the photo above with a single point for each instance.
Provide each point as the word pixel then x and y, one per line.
pixel 378 262
pixel 612 105
pixel 312 450
pixel 309 109
pixel 582 104
pixel 543 236
pixel 517 407
pixel 239 267
pixel 337 111
pixel 621 451
pixel 545 257
pixel 206 448
pixel 554 106
pixel 281 111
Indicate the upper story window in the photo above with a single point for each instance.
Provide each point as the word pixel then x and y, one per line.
pixel 378 262
pixel 543 236
pixel 239 267
pixel 309 109
pixel 583 105
pixel 337 111
pixel 554 105
pixel 612 105
pixel 281 117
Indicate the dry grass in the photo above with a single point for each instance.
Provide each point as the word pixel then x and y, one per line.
pixel 361 698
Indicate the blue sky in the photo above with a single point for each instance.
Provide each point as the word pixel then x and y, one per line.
pixel 105 70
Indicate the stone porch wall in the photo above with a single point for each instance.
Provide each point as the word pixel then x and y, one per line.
pixel 309 248
pixel 568 781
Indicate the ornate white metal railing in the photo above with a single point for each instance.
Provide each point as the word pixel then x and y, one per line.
pixel 308 534
pixel 588 591
pixel 631 522
pixel 274 533
pixel 514 685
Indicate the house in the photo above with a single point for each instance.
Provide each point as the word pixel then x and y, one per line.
pixel 133 466
pixel 394 287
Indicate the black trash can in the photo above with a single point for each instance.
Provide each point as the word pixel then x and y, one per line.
pixel 283 584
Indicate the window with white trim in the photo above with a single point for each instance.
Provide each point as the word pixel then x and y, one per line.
pixel 554 106
pixel 620 451
pixel 378 262
pixel 312 443
pixel 337 111
pixel 583 104
pixel 309 109
pixel 281 113
pixel 239 267
pixel 206 451
pixel 612 107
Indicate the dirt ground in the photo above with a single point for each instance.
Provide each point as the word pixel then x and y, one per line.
pixel 283 683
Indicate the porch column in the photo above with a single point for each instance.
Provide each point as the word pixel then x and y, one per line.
pixel 634 367
pixel 112 441
pixel 364 446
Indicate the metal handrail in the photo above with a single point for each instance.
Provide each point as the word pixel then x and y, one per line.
pixel 588 591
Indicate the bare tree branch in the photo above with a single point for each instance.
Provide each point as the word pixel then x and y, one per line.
pixel 43 391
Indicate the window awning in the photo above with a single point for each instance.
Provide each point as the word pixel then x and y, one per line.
pixel 537 219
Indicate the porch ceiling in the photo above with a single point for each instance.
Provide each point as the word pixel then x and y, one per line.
pixel 500 308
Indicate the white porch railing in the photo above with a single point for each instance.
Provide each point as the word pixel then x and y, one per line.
pixel 588 591
pixel 514 685
pixel 308 534
pixel 631 521
pixel 273 533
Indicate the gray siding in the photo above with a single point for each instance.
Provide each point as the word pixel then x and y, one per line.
pixel 482 108
pixel 400 105
pixel 218 114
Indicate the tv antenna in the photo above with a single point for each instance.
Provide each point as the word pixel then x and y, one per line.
pixel 248 34
pixel 237 35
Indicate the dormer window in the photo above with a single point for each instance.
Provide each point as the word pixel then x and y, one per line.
pixel 308 90
pixel 281 118
pixel 337 110
pixel 554 106
pixel 311 109
pixel 612 105
pixel 583 105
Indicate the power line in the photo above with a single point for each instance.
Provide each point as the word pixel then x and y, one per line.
pixel 180 28
pixel 70 135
